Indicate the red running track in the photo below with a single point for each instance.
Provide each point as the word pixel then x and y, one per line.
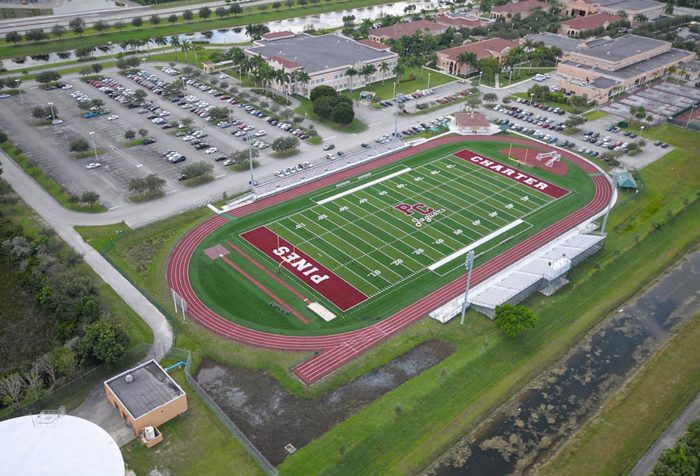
pixel 335 350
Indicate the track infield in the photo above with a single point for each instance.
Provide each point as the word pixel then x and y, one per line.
pixel 373 243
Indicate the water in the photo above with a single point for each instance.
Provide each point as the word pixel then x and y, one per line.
pixel 238 35
pixel 519 435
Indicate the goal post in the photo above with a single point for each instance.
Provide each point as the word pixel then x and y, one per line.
pixel 179 303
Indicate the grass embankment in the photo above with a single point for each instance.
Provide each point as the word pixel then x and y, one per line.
pixel 181 453
pixel 411 80
pixel 613 442
pixel 486 368
pixel 250 15
pixel 47 182
pixel 595 115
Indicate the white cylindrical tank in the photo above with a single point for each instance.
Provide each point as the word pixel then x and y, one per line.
pixel 149 433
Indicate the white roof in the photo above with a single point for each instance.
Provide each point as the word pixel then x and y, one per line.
pixel 69 446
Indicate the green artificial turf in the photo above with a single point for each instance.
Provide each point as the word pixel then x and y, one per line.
pixel 214 280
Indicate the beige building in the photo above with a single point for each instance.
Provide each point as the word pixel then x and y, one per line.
pixel 447 60
pixel 396 31
pixel 604 68
pixel 326 59
pixel 522 7
pixel 631 8
pixel 146 396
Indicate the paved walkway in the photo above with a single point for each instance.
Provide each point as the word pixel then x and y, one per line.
pixel 668 439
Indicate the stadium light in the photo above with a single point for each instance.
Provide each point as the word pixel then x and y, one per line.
pixel 94 147
pixel 21 99
pixel 249 139
pixel 469 263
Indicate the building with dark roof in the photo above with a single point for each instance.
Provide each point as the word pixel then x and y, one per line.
pixel 606 67
pixel 578 25
pixel 447 59
pixel 146 396
pixel 461 20
pixel 326 59
pixel 523 7
pixel 396 31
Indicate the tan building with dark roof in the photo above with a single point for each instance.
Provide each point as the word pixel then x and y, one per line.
pixel 631 8
pixel 578 25
pixel 146 396
pixel 447 60
pixel 523 7
pixel 394 32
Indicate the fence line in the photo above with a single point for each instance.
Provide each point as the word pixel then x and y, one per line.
pixel 221 415
pixel 84 382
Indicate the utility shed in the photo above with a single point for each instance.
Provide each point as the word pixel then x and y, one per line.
pixel 146 396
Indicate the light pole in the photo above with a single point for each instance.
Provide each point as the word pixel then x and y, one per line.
pixel 480 74
pixel 53 118
pixel 641 132
pixel 249 139
pixel 394 93
pixel 692 109
pixel 21 99
pixel 396 114
pixel 94 147
pixel 428 82
pixel 469 263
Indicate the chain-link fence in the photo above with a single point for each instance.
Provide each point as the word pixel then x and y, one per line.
pixel 72 394
pixel 186 356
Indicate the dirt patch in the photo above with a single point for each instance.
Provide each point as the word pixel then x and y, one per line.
pixel 528 158
pixel 272 418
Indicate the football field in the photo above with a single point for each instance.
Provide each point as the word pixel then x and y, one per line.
pixel 371 243
pixel 376 236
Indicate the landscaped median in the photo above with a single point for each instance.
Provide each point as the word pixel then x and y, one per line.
pixel 63 197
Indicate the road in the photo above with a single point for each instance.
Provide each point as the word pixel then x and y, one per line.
pixel 668 439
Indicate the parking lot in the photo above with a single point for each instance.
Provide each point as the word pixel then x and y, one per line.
pixel 661 100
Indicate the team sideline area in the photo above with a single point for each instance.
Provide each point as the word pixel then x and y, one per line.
pixel 369 245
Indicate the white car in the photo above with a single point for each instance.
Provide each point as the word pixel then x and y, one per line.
pixel 112 117
pixel 211 150
pixel 93 165
pixel 260 133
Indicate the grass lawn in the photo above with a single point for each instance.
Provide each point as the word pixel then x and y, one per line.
pixel 613 441
pixel 385 89
pixel 306 110
pixel 486 368
pixel 250 15
pixel 195 443
pixel 594 115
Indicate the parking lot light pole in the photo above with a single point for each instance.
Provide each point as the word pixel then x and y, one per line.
pixel 469 263
pixel 428 88
pixel 641 132
pixel 94 147
pixel 690 117
pixel 21 99
pixel 53 118
pixel 249 139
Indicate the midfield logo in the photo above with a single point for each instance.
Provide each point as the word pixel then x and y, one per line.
pixel 427 213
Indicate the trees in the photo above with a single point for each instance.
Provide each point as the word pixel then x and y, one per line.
pixel 137 22
pixel 513 320
pixel 13 37
pixel 383 68
pixel 39 112
pixel 285 144
pixel 155 19
pixel 235 9
pixel 187 15
pixel 204 12
pixel 638 112
pixel 329 105
pixel 221 12
pixel 103 341
pixel 36 35
pixel 467 58
pixel 574 121
pixel 490 98
pixel 350 73
pixel 343 113
pixel 256 30
pixel 367 71
pixel 670 4
pixel 90 197
pixel 198 169
pixel 172 19
pixel 77 26
pixel 46 77
pixel 129 135
pixel 320 91
pixel 96 67
pixel 100 26
pixel 148 187
pixel 143 133
pixel 79 145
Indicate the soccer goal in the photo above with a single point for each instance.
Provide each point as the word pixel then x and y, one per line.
pixel 551 158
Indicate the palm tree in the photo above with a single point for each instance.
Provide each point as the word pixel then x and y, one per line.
pixel 399 70
pixel 367 71
pixel 466 58
pixel 302 77
pixel 284 78
pixel 350 72
pixel 175 43
pixel 384 68
pixel 640 18
pixel 197 49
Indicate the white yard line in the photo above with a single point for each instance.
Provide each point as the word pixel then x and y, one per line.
pixel 478 242
pixel 366 185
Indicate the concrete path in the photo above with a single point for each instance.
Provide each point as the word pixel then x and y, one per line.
pixel 668 439
pixel 97 409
